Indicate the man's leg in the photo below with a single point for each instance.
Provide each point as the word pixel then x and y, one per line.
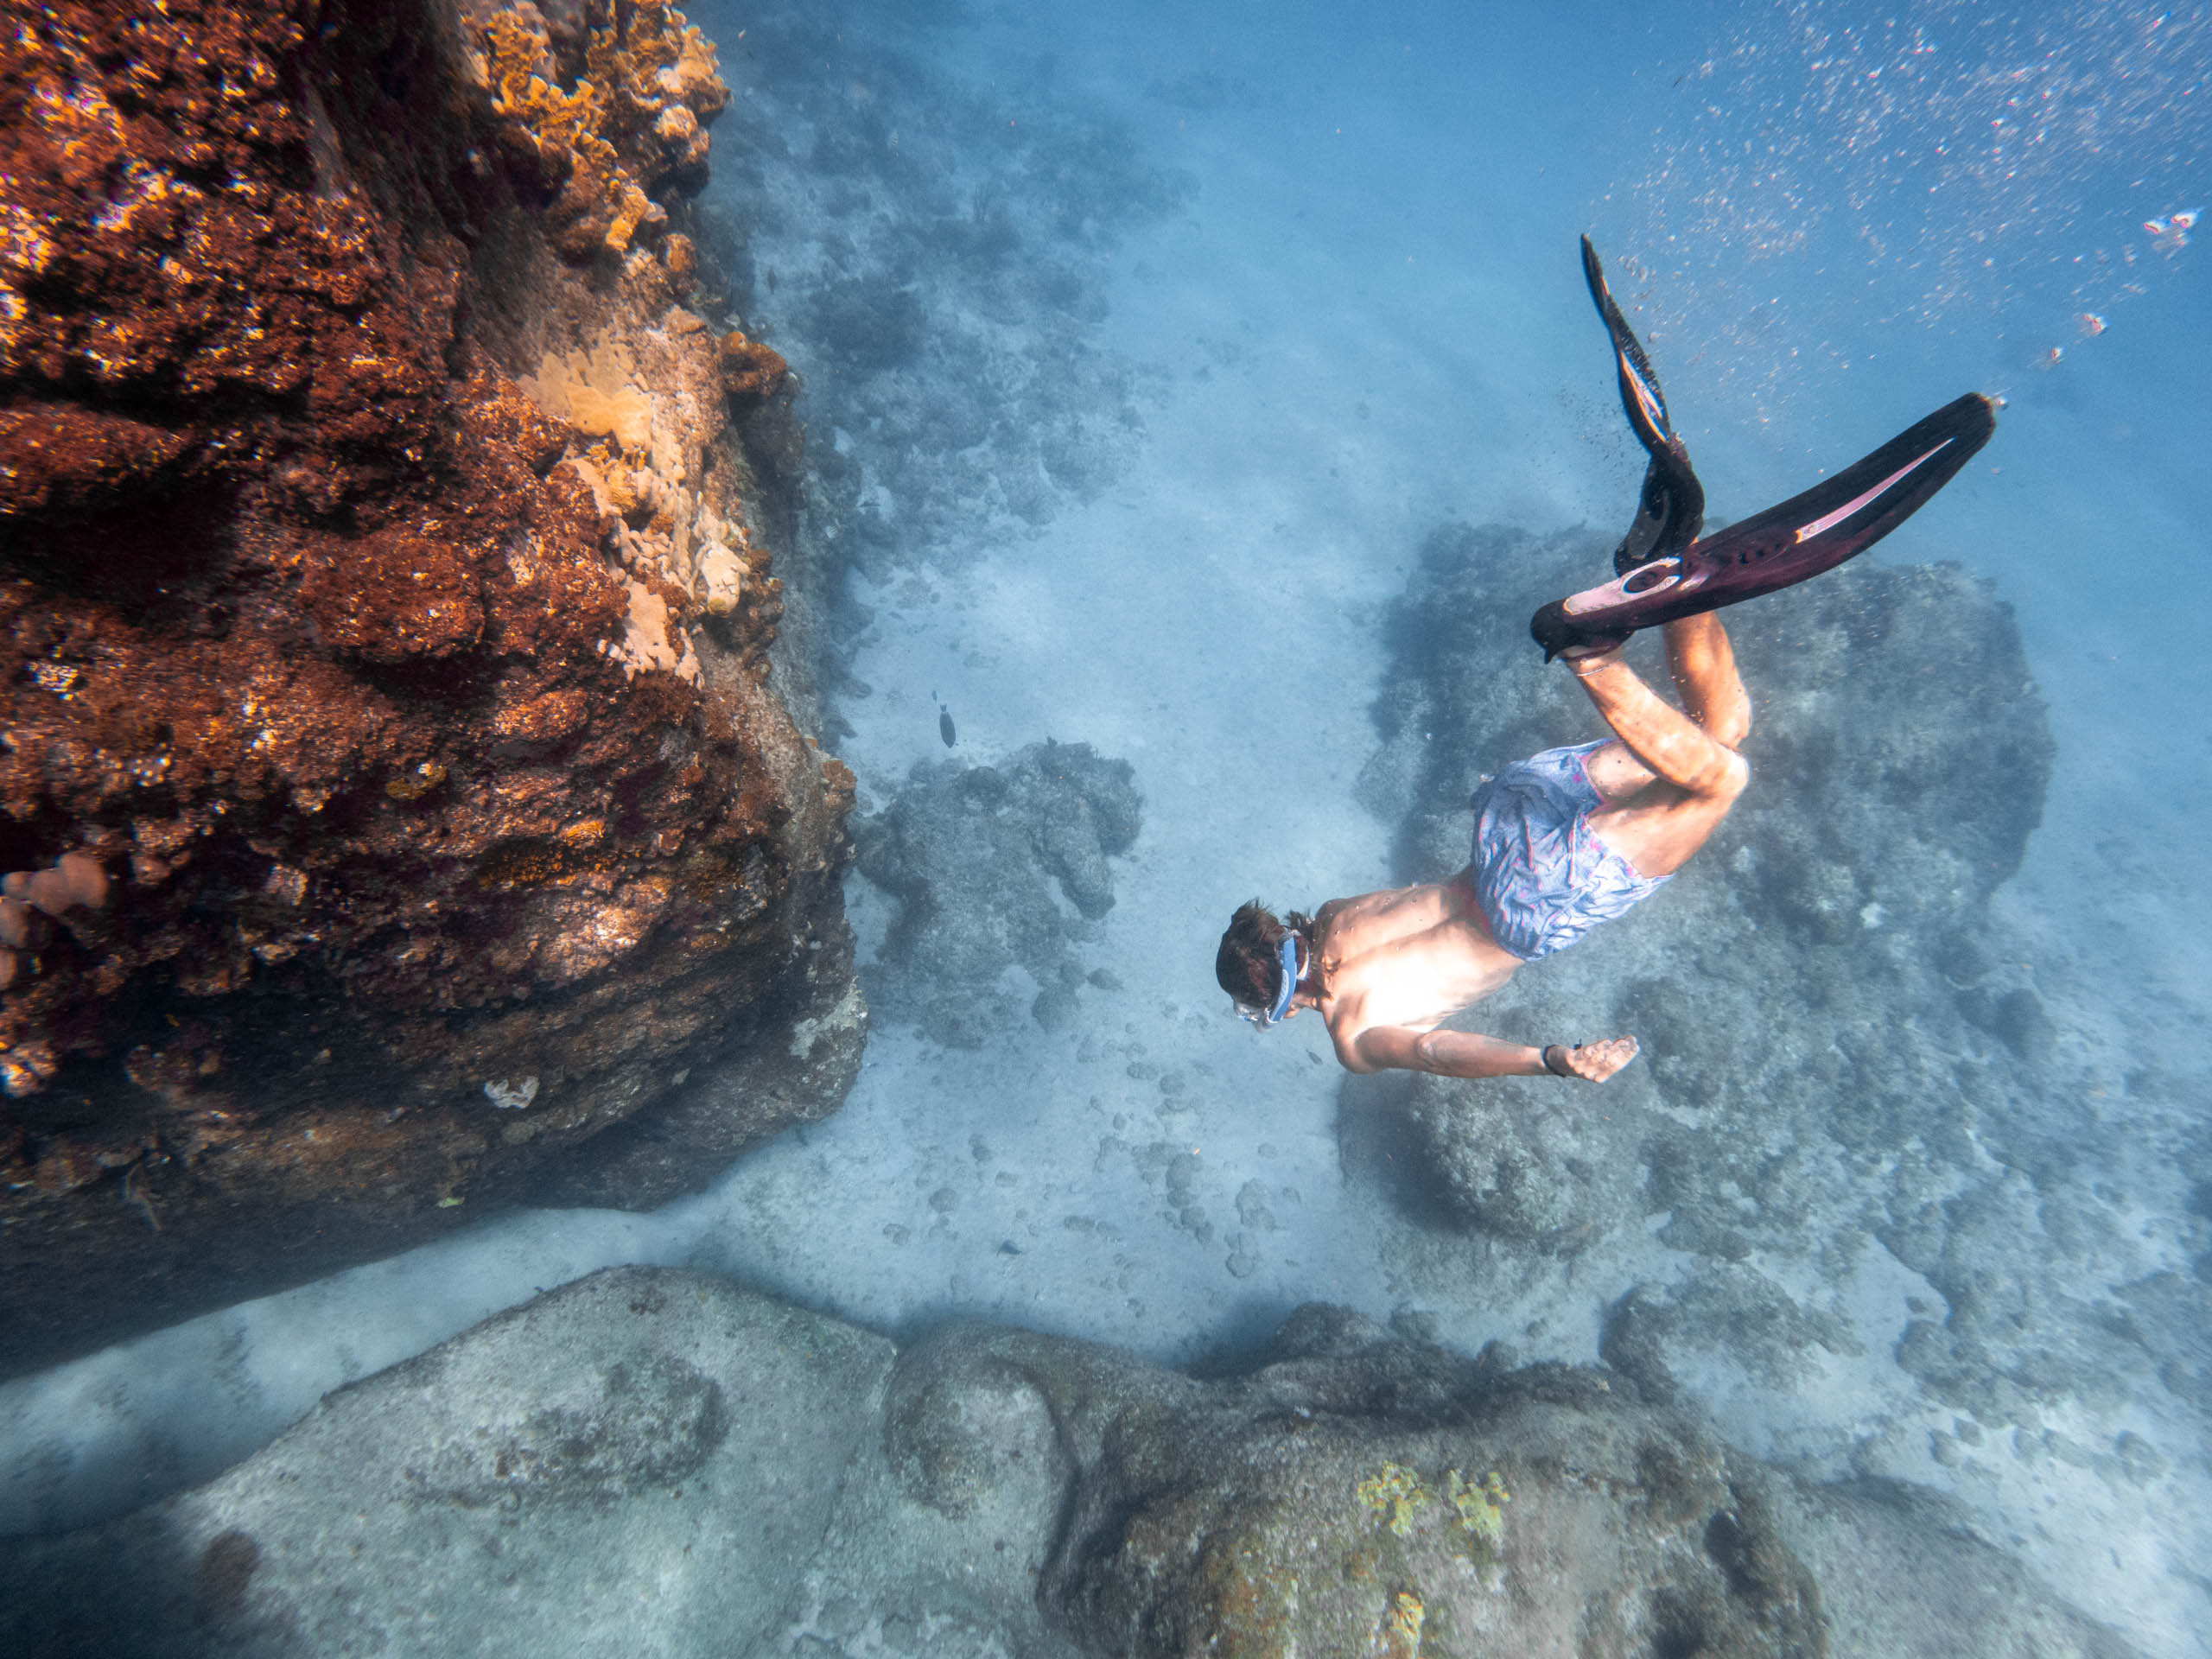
pixel 1691 759
pixel 1704 666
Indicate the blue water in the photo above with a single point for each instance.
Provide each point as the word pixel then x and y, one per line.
pixel 1356 312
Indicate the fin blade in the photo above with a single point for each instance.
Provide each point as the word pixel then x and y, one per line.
pixel 1642 399
pixel 1812 532
pixel 1670 509
pixel 1843 516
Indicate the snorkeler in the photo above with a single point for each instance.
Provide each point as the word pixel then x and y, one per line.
pixel 1575 837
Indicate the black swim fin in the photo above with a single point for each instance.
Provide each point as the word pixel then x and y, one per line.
pixel 1671 509
pixel 1808 534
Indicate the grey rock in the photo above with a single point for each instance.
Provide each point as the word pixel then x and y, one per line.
pixel 1252 1207
pixel 1415 1325
pixel 1837 1036
pixel 657 1461
pixel 1543 1512
pixel 1900 1573
pixel 971 853
pixel 960 1436
pixel 1534 1170
pixel 1323 1331
pixel 2016 1017
pixel 641 1461
pixel 1727 1308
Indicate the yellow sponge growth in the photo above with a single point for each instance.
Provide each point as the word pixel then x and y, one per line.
pixel 1402 1625
pixel 596 392
pixel 1479 1506
pixel 655 61
pixel 1394 1495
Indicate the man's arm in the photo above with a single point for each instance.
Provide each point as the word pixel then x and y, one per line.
pixel 1470 1054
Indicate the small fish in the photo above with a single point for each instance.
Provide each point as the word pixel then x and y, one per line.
pixel 2090 324
pixel 2051 358
pixel 944 728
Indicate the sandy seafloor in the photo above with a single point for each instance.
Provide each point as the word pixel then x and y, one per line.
pixel 1366 319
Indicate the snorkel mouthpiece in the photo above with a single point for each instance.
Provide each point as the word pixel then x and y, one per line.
pixel 1288 956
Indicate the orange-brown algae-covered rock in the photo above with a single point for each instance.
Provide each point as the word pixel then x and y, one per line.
pixel 752 372
pixel 396 820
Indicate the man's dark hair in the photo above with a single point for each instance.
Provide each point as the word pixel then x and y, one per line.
pixel 1248 966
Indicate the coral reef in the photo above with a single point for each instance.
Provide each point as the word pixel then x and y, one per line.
pixel 991 1492
pixel 970 852
pixel 389 724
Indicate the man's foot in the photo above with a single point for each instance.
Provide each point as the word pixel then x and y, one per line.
pixel 1585 658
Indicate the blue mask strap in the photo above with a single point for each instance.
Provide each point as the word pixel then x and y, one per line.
pixel 1289 979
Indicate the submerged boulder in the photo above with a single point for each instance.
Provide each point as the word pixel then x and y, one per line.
pixel 972 854
pixel 1537 1171
pixel 659 1460
pixel 515 1490
pixel 1873 1146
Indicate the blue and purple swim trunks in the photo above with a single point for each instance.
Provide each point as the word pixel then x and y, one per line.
pixel 1541 874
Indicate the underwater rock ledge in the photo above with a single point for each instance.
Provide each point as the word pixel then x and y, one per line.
pixel 400 818
pixel 654 1460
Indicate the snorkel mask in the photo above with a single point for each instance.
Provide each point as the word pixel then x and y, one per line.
pixel 1261 1019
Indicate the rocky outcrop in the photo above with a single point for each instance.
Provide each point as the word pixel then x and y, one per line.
pixel 972 854
pixel 662 1461
pixel 401 819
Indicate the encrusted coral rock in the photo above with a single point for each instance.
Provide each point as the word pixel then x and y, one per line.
pixel 385 632
pixel 1356 1503
pixel 1899 758
pixel 602 119
pixel 752 372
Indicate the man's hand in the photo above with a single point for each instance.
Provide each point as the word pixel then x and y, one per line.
pixel 1595 1061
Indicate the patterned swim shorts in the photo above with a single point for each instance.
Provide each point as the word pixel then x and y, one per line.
pixel 1541 875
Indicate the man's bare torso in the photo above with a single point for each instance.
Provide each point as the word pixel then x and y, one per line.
pixel 1409 956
